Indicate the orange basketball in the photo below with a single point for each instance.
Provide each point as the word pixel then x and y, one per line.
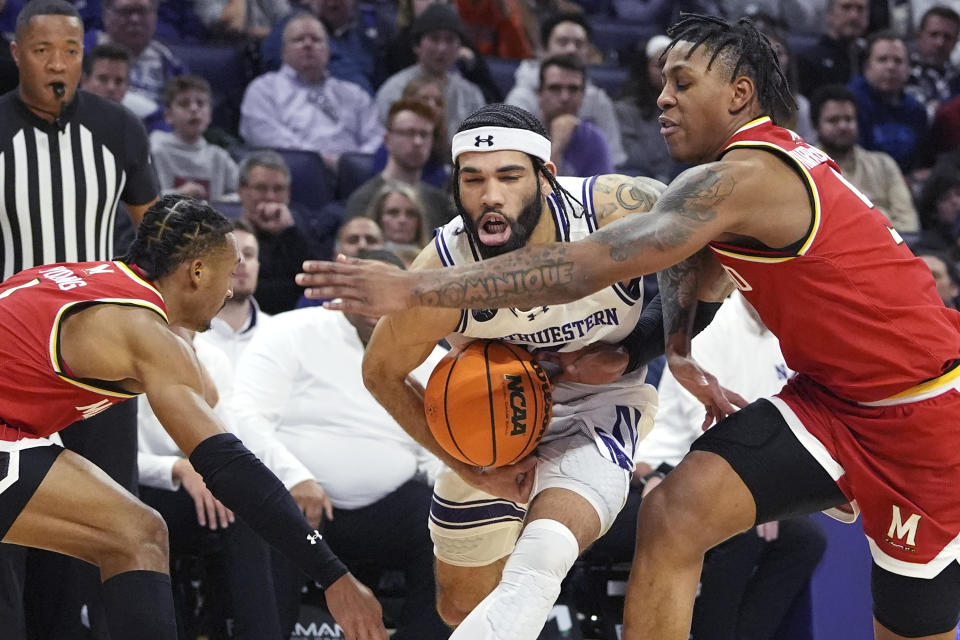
pixel 489 404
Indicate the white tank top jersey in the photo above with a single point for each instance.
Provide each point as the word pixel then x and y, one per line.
pixel 608 315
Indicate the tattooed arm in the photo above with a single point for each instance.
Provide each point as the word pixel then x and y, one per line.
pixel 700 205
pixel 680 287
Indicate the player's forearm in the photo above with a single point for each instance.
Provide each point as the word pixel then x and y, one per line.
pixel 545 274
pixel 242 483
pixel 679 289
pixel 406 406
pixel 684 219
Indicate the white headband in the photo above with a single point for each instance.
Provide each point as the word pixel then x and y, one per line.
pixel 501 139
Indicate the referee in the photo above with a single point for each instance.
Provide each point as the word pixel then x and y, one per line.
pixel 66 159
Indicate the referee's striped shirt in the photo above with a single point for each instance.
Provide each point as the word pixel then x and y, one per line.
pixel 60 182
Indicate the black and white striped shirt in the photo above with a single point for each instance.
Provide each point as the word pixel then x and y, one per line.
pixel 60 182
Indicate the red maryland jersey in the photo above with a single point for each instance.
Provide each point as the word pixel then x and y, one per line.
pixel 854 309
pixel 38 394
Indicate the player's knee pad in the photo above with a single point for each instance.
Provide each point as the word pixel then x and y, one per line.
pixel 575 464
pixel 518 608
pixel 916 607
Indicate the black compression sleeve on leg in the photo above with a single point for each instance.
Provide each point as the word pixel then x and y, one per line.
pixel 645 342
pixel 139 604
pixel 242 483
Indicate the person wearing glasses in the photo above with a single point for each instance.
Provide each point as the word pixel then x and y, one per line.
pixel 284 245
pixel 409 139
pixel 132 24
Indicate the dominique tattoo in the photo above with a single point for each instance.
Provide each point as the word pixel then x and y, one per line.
pixel 550 272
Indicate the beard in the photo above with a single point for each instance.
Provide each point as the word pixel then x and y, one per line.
pixel 239 297
pixel 520 229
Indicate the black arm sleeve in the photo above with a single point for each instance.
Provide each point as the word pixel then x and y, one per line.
pixel 242 483
pixel 645 342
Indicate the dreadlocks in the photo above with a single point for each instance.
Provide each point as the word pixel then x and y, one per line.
pixel 745 51
pixel 175 229
pixel 507 115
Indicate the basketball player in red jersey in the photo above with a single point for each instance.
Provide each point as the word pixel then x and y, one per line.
pixel 76 338
pixel 871 419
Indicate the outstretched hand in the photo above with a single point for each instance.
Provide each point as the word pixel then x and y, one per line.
pixel 355 609
pixel 718 401
pixel 368 287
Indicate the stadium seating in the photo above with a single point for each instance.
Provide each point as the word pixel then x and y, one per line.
pixel 353 170
pixel 311 185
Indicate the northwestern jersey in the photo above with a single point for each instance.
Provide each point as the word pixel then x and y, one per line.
pixel 854 309
pixel 38 393
pixel 608 315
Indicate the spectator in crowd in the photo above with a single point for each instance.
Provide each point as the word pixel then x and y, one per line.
pixel 945 275
pixel 874 173
pixel 889 119
pixel 106 72
pixel 934 80
pixel 242 18
pixel 302 106
pixel 399 211
pixel 569 34
pixel 309 396
pixel 400 50
pixel 132 24
pixel 579 148
pixel 638 115
pixel 749 582
pixel 356 36
pixel 355 235
pixel 358 234
pixel 835 58
pixel 185 162
pixel 437 34
pixel 411 130
pixel 400 53
pixel 265 200
pixel 231 330
pixel 430 91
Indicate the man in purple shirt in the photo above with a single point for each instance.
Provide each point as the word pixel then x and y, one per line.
pixel 302 106
pixel 579 147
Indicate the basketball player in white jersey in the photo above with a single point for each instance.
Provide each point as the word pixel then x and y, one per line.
pixel 494 582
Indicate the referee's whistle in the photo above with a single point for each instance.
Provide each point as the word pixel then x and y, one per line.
pixel 59 89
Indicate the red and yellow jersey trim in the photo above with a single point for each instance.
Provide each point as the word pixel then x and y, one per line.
pixel 923 391
pixel 144 283
pixel 54 342
pixel 771 257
